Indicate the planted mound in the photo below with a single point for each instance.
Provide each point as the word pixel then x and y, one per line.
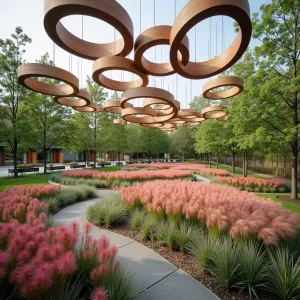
pixel 202 169
pixel 141 175
pixel 254 184
pixel 37 262
pixel 221 207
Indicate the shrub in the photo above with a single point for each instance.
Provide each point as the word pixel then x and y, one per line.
pixel 98 183
pixel 136 218
pixel 203 250
pixel 147 227
pixel 253 268
pixel 284 274
pixel 225 263
pixel 108 211
pixel 220 207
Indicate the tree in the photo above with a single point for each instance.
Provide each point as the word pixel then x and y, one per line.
pixel 182 141
pixel 277 27
pixel 49 119
pixel 133 143
pixel 13 97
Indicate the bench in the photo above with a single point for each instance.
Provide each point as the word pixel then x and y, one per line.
pixel 53 168
pixel 77 166
pixel 24 170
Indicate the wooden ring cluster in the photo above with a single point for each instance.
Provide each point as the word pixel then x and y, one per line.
pixel 117 63
pixel 114 106
pixel 154 36
pixel 108 11
pixel 120 122
pixel 28 72
pixel 84 100
pixel 195 12
pixel 214 112
pixel 234 81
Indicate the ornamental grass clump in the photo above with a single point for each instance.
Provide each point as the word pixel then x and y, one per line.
pixel 108 211
pixel 147 227
pixel 136 218
pixel 219 207
pixel 254 184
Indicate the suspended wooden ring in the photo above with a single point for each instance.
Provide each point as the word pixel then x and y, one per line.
pixel 186 114
pixel 100 109
pixel 234 81
pixel 120 122
pixel 169 109
pixel 152 93
pixel 114 106
pixel 153 125
pixel 139 115
pixel 195 12
pixel 84 100
pixel 176 121
pixel 117 63
pixel 92 107
pixel 214 112
pixel 154 36
pixel 168 127
pixel 27 73
pixel 108 11
pixel 225 118
pixel 191 124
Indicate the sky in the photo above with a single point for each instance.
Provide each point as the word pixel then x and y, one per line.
pixel 28 14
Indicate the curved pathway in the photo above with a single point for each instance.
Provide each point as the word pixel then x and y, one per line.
pixel 156 277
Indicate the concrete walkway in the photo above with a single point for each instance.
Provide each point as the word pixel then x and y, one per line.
pixel 156 277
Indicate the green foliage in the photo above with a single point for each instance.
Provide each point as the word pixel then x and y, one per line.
pixel 253 268
pixel 136 218
pixel 49 221
pixel 147 227
pixel 284 274
pixel 225 262
pixel 120 284
pixel 108 211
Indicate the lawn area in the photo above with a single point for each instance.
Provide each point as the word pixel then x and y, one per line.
pixel 295 207
pixel 9 182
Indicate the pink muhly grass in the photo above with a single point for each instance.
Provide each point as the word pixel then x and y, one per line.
pixel 98 273
pixel 99 294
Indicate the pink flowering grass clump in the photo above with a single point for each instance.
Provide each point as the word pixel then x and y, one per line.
pixel 35 259
pixel 185 166
pixel 244 182
pixel 220 207
pixel 140 175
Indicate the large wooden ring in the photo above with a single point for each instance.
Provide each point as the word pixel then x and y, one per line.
pixel 234 81
pixel 177 121
pixel 117 63
pixel 120 122
pixel 27 72
pixel 154 36
pixel 84 100
pixel 106 10
pixel 153 125
pixel 92 107
pixel 153 94
pixel 187 114
pixel 139 115
pixel 195 12
pixel 214 112
pixel 168 127
pixel 191 124
pixel 114 106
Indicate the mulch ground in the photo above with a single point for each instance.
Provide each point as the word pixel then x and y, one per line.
pixel 187 263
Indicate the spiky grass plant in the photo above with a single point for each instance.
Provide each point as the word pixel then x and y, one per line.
pixel 253 268
pixel 170 236
pixel 108 211
pixel 159 231
pixel 147 227
pixel 186 234
pixel 136 218
pixel 120 284
pixel 49 221
pixel 284 274
pixel 225 262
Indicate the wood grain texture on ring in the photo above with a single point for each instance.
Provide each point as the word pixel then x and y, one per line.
pixel 108 11
pixel 83 96
pixel 234 81
pixel 28 72
pixel 195 12
pixel 154 36
pixel 114 106
pixel 117 63
pixel 214 112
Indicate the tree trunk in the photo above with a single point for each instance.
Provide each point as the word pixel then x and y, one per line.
pixel 294 194
pixel 119 154
pixel 200 158
pixel 45 159
pixel 14 150
pixel 149 157
pixel 276 173
pixel 217 161
pixel 233 162
pixel 246 167
pixel 209 158
pixel 95 159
